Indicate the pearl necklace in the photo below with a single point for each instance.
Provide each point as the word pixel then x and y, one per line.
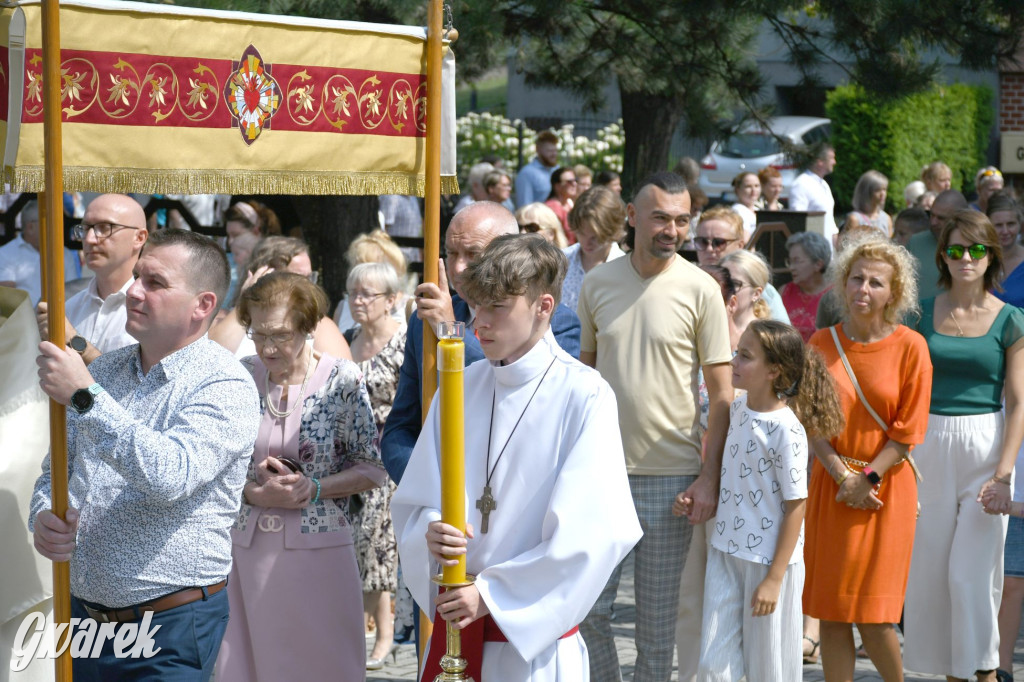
pixel 277 413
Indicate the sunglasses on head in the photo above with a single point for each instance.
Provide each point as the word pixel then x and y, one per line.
pixel 956 251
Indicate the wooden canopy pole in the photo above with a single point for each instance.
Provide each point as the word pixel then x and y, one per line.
pixel 431 224
pixel 52 241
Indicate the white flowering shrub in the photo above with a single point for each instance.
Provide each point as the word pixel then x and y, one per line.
pixel 478 135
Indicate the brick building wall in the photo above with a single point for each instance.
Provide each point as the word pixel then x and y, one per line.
pixel 1011 100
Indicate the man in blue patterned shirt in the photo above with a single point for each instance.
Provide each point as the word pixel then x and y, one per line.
pixel 159 438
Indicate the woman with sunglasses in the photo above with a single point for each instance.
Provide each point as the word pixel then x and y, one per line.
pixel 537 218
pixel 719 233
pixel 561 198
pixel 967 458
pixel 292 546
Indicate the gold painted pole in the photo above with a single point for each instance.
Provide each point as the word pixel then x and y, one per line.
pixel 431 224
pixel 51 228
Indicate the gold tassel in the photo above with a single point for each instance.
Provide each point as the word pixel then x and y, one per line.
pixel 188 181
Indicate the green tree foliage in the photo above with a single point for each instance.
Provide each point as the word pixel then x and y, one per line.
pixel 897 136
pixel 693 60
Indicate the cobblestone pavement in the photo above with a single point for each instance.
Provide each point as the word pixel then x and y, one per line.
pixel 404 667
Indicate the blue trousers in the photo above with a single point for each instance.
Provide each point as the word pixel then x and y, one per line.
pixel 189 639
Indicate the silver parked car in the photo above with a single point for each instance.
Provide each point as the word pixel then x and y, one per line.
pixel 753 148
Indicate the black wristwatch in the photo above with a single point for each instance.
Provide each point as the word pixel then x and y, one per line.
pixel 78 344
pixel 82 399
pixel 873 477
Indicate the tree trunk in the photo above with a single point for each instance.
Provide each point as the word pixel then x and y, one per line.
pixel 649 122
pixel 329 224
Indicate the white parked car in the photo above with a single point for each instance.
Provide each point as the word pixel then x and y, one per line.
pixel 753 148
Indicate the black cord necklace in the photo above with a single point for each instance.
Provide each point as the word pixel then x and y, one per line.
pixel 486 504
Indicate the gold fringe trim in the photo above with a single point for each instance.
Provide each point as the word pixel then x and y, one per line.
pixel 178 181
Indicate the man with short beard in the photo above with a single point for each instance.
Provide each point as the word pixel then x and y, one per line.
pixel 649 322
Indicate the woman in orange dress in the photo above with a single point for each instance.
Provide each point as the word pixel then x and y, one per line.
pixel 862 500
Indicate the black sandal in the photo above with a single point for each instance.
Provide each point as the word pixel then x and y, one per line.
pixel 812 658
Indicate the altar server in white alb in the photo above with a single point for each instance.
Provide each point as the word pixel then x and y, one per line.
pixel 542 439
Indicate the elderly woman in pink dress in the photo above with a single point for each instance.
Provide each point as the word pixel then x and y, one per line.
pixel 294 588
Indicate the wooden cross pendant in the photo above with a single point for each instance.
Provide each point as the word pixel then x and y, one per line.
pixel 486 504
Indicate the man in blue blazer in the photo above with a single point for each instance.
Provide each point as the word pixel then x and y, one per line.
pixel 471 230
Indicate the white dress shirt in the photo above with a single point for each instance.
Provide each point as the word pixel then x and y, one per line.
pixel 101 321
pixel 810 192
pixel 19 263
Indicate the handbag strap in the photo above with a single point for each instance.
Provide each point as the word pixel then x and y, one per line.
pixel 856 384
pixel 864 401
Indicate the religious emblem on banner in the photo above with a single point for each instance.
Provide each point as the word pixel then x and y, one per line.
pixel 252 94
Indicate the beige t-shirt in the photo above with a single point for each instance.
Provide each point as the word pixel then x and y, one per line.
pixel 651 337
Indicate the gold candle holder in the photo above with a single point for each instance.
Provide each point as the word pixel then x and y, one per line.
pixel 453 665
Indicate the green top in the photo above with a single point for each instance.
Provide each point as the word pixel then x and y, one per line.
pixel 923 246
pixel 969 371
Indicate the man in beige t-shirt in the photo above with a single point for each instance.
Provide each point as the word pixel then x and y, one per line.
pixel 649 323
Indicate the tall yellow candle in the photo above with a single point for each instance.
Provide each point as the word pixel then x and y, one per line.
pixel 451 363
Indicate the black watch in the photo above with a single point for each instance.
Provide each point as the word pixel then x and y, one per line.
pixel 872 476
pixel 82 399
pixel 78 344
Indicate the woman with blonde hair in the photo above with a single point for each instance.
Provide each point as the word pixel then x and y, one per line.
pixel 599 222
pixel 862 500
pixel 869 203
pixel 376 247
pixel 750 276
pixel 538 217
pixel 720 232
pixel 937 177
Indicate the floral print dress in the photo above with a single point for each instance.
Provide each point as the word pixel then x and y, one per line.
pixel 370 514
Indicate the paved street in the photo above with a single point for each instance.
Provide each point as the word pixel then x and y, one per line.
pixel 405 667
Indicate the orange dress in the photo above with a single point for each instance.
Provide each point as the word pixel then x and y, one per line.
pixel 857 561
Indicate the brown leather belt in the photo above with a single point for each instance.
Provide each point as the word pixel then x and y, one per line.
pixel 171 601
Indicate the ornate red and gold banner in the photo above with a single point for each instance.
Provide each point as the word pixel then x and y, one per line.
pixel 157 98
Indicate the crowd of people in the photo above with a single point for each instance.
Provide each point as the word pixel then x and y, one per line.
pixel 271 460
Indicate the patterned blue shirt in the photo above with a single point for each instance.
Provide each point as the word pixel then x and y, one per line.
pixel 156 469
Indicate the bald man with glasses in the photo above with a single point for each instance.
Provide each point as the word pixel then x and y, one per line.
pixel 112 233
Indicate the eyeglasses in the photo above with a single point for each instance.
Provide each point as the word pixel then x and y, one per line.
pixel 357 296
pixel 570 181
pixel 102 230
pixel 739 284
pixel 704 243
pixel 796 263
pixel 529 227
pixel 277 338
pixel 976 251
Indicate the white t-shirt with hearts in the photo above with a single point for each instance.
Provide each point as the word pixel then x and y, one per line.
pixel 764 464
